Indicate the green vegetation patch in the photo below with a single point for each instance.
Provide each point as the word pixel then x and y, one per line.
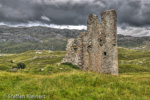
pixel 44 75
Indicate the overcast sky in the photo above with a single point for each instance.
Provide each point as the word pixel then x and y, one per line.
pixel 133 16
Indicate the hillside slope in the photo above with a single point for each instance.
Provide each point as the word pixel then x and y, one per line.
pixel 21 39
pixel 67 82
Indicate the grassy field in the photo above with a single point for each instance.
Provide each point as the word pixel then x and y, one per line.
pixel 44 78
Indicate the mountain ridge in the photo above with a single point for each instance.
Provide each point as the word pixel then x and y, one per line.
pixel 21 39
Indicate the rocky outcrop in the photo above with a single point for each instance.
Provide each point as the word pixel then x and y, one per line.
pixel 96 49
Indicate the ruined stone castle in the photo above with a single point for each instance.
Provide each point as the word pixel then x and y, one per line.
pixel 96 49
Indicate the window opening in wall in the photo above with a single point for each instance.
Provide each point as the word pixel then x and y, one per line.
pixel 75 49
pixel 104 53
pixel 114 44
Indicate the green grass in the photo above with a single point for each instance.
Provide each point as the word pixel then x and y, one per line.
pixel 56 44
pixel 67 82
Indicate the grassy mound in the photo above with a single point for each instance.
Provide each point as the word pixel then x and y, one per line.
pixel 46 77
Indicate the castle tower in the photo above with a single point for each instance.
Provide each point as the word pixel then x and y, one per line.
pixel 96 49
pixel 109 48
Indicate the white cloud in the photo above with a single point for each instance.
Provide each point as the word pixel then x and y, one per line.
pixel 62 2
pixel 45 18
pixel 134 31
pixel 79 27
pixel 30 24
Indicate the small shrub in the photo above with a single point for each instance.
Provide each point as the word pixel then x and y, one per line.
pixel 11 61
pixel 21 65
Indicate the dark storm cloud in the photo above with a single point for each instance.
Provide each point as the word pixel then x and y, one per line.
pixel 72 12
pixel 134 13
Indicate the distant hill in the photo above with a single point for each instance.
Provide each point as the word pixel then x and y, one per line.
pixel 134 42
pixel 21 39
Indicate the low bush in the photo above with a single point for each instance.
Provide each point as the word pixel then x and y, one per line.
pixel 21 65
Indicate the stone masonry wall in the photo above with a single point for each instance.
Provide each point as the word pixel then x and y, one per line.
pixel 96 49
